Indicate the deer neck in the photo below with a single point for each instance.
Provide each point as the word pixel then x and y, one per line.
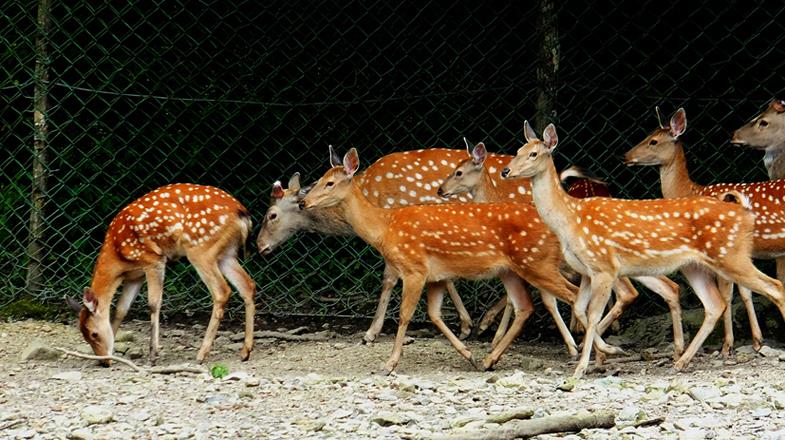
pixel 774 160
pixel 675 179
pixel 107 277
pixel 553 204
pixel 368 220
pixel 486 191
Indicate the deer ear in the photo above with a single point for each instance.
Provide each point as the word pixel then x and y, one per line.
pixel 351 162
pixel 778 105
pixel 73 304
pixel 88 299
pixel 528 132
pixel 479 153
pixel 678 123
pixel 294 182
pixel 549 137
pixel 468 150
pixel 335 159
pixel 277 192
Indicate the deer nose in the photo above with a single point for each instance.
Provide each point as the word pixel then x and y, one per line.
pixel 505 172
pixel 440 192
pixel 301 204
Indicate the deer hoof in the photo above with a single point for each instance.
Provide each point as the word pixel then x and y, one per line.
pixel 245 353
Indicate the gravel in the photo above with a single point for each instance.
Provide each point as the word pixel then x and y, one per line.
pixel 331 389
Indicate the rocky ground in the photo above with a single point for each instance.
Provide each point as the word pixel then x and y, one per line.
pixel 330 389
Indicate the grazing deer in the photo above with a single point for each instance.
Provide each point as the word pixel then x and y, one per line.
pixel 604 238
pixel 202 223
pixel 284 218
pixel 472 176
pixel 428 244
pixel 664 149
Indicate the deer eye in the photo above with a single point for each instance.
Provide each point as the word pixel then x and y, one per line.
pixel 94 335
pixel 763 123
pixel 273 216
pixel 458 173
pixel 329 184
pixel 532 155
pixel 653 142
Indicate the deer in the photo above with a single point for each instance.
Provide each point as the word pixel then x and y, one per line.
pixel 605 238
pixel 428 244
pixel 767 132
pixel 284 218
pixel 398 179
pixel 473 177
pixel 664 148
pixel 203 223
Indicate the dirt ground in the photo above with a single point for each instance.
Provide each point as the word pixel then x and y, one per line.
pixel 331 389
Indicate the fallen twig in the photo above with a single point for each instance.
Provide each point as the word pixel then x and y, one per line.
pixel 543 425
pixel 167 369
pixel 11 423
pixel 291 337
pixel 297 331
pixel 650 422
pixel 135 367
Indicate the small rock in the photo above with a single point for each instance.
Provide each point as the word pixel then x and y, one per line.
pixel 568 384
pixel 252 382
pixel 390 419
pixel 135 353
pixel 236 376
pixel 236 346
pixel 339 346
pixel 704 393
pixel 125 336
pixel 175 333
pixel 628 414
pixel 37 350
pixel 767 351
pixel 81 434
pixel 122 347
pixel 96 414
pixel 68 376
pixel 312 378
pixel 761 412
pixel 237 337
pixel 515 380
pixel 746 349
pixel 342 413
pixel 692 434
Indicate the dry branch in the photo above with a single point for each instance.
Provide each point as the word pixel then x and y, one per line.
pixel 544 425
pixel 171 369
pixel 291 337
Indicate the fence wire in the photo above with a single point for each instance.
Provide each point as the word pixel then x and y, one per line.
pixel 239 94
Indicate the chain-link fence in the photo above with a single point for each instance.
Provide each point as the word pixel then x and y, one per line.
pixel 133 95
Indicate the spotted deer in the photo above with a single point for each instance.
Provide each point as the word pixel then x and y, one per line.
pixel 428 244
pixel 398 179
pixel 604 238
pixel 473 177
pixel 284 218
pixel 664 148
pixel 202 223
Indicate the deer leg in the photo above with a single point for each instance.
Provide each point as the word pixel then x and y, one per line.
pixel 704 286
pixel 491 314
pixel 435 296
pixel 130 290
pixel 208 271
pixel 599 294
pixel 520 300
pixel 412 290
pixel 389 279
pixel 155 290
pixel 504 324
pixel 626 294
pixel 463 314
pixel 669 291
pixel 745 274
pixel 726 291
pixel 549 302
pixel 757 335
pixel 245 285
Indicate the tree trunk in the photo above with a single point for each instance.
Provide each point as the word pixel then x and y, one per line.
pixel 35 246
pixel 547 65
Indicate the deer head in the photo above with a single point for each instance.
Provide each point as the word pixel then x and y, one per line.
pixel 284 217
pixel 765 130
pixel 94 324
pixel 467 175
pixel 531 158
pixel 659 147
pixel 335 185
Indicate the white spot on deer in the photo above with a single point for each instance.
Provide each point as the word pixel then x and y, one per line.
pixel 390 201
pixel 418 176
pixel 389 175
pixel 444 162
pixel 378 178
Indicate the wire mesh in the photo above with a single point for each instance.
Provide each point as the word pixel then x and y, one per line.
pixel 239 94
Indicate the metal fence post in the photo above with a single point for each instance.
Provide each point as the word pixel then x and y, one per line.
pixel 547 64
